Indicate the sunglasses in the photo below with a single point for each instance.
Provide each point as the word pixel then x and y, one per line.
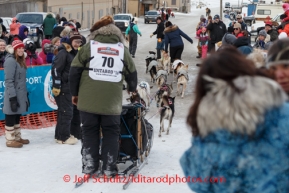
pixel 236 28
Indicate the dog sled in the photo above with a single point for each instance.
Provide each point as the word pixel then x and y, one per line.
pixel 136 141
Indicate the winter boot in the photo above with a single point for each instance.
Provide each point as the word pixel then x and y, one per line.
pixel 199 56
pixel 70 141
pixel 10 138
pixel 18 135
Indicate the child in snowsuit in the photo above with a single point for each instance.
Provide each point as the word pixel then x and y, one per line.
pixel 203 41
pixel 285 7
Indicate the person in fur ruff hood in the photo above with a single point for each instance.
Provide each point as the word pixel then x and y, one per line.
pixel 96 83
pixel 240 140
pixel 173 37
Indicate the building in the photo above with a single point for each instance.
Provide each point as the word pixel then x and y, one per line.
pixel 12 7
pixel 87 12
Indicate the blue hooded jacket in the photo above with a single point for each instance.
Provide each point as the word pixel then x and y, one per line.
pixel 250 163
pixel 21 32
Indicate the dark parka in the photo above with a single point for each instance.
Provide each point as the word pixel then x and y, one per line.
pixel 100 97
pixel 15 85
pixel 217 31
pixel 160 30
pixel 48 24
pixel 61 66
pixel 273 34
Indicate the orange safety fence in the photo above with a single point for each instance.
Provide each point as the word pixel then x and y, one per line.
pixel 34 121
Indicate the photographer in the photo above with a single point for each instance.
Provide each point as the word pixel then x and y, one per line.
pixel 32 57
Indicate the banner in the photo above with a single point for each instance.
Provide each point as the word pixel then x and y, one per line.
pixel 38 82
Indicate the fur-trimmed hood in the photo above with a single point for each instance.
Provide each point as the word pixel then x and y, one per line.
pixel 109 29
pixel 238 112
pixel 105 26
pixel 170 29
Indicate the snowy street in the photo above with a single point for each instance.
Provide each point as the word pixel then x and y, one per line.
pixel 42 165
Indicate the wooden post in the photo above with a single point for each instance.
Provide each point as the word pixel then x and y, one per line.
pixel 139 135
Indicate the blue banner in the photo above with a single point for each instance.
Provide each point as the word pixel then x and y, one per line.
pixel 38 82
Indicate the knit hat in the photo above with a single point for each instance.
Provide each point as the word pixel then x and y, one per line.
pixel 263 33
pixel 237 25
pixel 17 44
pixel 75 36
pixel 216 16
pixel 228 39
pixel 285 7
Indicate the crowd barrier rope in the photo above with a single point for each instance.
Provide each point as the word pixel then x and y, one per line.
pixel 42 112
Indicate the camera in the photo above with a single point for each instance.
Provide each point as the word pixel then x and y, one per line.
pixel 48 48
pixel 29 46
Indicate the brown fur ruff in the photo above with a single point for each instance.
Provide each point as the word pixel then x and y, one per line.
pixel 170 29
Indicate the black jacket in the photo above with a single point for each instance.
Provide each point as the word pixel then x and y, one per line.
pixel 61 67
pixel 217 31
pixel 160 30
pixel 273 34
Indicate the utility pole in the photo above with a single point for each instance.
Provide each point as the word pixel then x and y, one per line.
pixel 221 10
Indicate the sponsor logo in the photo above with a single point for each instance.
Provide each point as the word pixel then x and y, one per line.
pixel 108 51
pixel 48 96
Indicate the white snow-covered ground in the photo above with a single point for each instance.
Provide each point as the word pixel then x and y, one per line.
pixel 42 165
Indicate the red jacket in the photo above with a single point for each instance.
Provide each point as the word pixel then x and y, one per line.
pixel 286 30
pixel 42 53
pixel 239 35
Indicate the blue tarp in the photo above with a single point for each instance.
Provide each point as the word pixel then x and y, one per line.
pixel 251 9
pixel 38 81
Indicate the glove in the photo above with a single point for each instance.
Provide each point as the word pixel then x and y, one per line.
pixel 151 35
pixel 14 104
pixel 56 91
pixel 34 56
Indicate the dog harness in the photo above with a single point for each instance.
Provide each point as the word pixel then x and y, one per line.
pixel 151 64
pixel 184 73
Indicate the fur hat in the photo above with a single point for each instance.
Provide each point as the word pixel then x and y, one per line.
pixel 17 44
pixel 285 7
pixel 105 20
pixel 278 53
pixel 263 33
pixel 75 36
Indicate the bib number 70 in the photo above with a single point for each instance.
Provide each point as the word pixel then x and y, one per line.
pixel 109 61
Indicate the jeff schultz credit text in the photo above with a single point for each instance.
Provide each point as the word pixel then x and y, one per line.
pixel 144 179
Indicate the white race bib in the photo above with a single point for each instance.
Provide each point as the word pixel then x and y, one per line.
pixel 107 63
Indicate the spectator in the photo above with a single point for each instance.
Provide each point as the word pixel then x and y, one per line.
pixel 277 62
pixel 68 120
pixel 57 18
pixel 14 26
pixel 48 25
pixel 23 32
pixel 270 31
pixel 3 52
pixel 55 41
pixel 208 12
pixel 240 21
pixel 43 53
pixel 217 30
pixel 173 37
pixel 104 109
pixel 132 30
pixel 243 45
pixel 15 95
pixel 237 30
pixel 263 41
pixel 246 145
pixel 202 23
pixel 160 36
pixel 31 56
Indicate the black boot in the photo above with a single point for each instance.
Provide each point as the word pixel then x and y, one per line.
pixel 158 54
